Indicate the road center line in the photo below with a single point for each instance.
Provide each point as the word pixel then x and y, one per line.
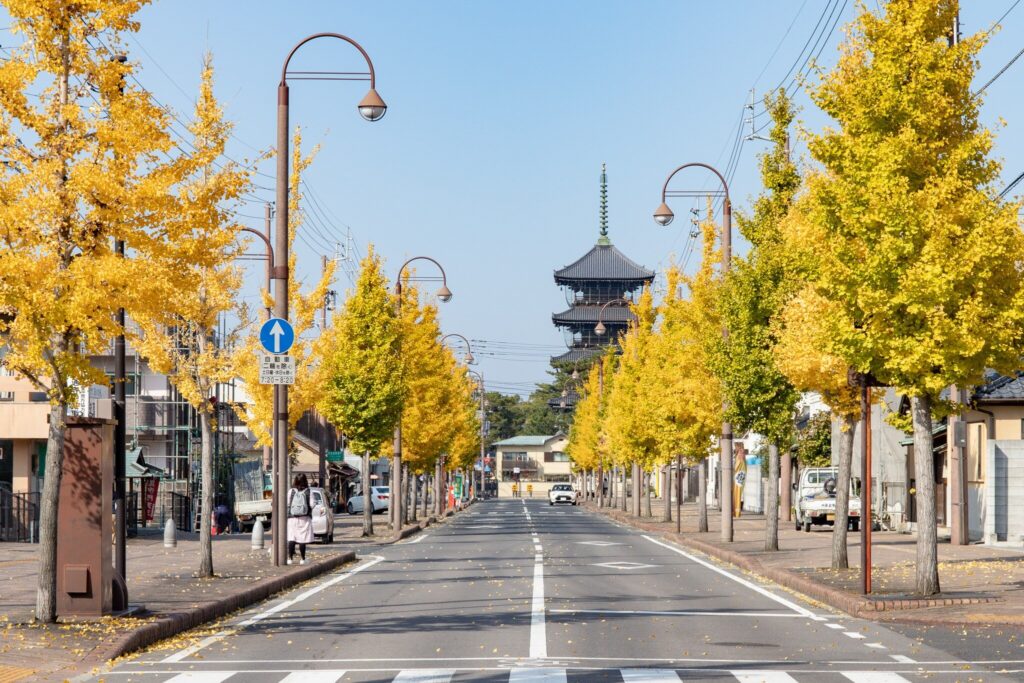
pixel 694 613
pixel 206 642
pixel 743 582
pixel 538 630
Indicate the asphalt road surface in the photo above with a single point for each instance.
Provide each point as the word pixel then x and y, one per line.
pixel 515 590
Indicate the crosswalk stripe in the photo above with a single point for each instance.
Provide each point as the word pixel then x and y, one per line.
pixel 313 676
pixel 649 676
pixel 202 677
pixel 763 677
pixel 425 676
pixel 874 677
pixel 537 676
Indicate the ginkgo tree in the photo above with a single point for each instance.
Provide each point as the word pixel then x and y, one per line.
pixel 183 342
pixel 363 372
pixel 920 267
pixel 760 398
pixel 88 158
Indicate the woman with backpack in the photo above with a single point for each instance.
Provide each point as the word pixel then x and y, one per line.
pixel 300 518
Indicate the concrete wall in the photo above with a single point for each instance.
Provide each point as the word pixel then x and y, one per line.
pixel 1004 498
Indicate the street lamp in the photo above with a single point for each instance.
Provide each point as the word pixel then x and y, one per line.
pixel 663 216
pixel 599 328
pixel 371 108
pixel 470 360
pixel 445 295
pixel 483 421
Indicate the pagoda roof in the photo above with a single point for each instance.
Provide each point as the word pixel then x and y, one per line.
pixel 604 262
pixel 613 315
pixel 577 354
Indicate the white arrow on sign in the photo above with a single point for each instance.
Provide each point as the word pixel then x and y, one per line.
pixel 277 332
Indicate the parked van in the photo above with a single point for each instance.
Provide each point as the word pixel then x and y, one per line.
pixel 816 498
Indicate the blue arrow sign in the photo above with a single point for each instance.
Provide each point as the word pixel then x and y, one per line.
pixel 277 335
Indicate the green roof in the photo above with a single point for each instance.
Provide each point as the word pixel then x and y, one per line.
pixel 525 440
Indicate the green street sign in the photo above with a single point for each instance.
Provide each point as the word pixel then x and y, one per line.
pixel 335 456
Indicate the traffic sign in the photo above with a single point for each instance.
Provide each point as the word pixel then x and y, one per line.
pixel 277 335
pixel 277 369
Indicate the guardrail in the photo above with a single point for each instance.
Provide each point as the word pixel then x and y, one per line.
pixel 19 517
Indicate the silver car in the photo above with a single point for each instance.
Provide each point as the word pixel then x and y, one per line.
pixel 379 496
pixel 323 515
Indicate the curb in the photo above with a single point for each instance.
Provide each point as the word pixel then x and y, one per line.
pixel 853 605
pixel 173 623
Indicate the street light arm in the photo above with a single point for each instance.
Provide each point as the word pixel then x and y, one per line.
pixel 369 62
pixel 266 240
pixel 444 294
pixel 698 164
pixel 607 304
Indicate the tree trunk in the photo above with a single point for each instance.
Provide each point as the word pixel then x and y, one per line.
pixel 613 488
pixel 927 569
pixel 438 498
pixel 702 496
pixel 406 475
pixel 679 493
pixel 395 508
pixel 771 527
pixel 414 492
pixel 46 593
pixel 206 500
pixel 625 490
pixel 648 480
pixel 666 496
pixel 367 505
pixel 426 494
pixel 840 558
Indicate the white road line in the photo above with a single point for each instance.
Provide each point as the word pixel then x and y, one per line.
pixel 874 677
pixel 424 676
pixel 854 635
pixel 202 677
pixel 537 676
pixel 206 642
pixel 696 613
pixel 877 646
pixel 416 540
pixel 838 627
pixel 538 631
pixel 752 586
pixel 763 677
pixel 312 676
pixel 537 548
pixel 649 676
pixel 903 659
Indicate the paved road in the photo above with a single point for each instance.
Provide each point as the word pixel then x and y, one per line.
pixel 514 590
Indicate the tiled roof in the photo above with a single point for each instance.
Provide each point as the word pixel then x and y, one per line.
pixel 604 262
pixel 525 440
pixel 574 355
pixel 613 315
pixel 999 387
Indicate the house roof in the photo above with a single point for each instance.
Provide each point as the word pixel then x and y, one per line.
pixel 136 465
pixel 525 440
pixel 999 388
pixel 604 262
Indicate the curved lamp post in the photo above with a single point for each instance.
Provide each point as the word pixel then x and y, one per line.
pixel 371 108
pixel 483 420
pixel 663 216
pixel 445 295
pixel 470 360
pixel 599 330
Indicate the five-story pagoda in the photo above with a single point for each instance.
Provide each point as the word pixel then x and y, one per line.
pixel 602 275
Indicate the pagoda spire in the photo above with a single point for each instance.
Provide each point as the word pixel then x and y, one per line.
pixel 603 239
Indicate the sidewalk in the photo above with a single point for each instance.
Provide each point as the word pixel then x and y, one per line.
pixel 980 584
pixel 160 581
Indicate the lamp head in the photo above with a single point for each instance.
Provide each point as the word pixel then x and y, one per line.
pixel 372 107
pixel 444 294
pixel 599 329
pixel 469 358
pixel 663 215
pixel 575 373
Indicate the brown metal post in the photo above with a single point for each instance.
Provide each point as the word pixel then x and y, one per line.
pixel 786 488
pixel 280 277
pixel 321 421
pixel 727 533
pixel 865 487
pixel 268 463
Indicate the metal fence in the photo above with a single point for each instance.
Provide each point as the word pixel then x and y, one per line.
pixel 19 517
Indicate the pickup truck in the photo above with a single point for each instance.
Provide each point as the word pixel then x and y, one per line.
pixel 816 499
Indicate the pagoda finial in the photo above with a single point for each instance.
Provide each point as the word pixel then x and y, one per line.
pixel 603 239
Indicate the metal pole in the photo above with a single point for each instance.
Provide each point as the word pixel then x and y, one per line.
pixel 268 463
pixel 120 440
pixel 865 487
pixel 726 445
pixel 600 464
pixel 395 510
pixel 320 420
pixel 483 420
pixel 280 276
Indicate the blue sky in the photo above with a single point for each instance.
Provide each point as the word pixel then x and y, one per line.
pixel 500 115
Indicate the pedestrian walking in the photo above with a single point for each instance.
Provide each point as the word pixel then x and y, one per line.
pixel 300 518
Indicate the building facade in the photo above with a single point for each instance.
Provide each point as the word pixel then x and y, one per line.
pixel 533 458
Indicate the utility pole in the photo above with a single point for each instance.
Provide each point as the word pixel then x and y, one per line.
pixel 268 213
pixel 320 419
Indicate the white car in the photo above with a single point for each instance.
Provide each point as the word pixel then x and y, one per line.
pixel 816 499
pixel 562 493
pixel 323 515
pixel 378 500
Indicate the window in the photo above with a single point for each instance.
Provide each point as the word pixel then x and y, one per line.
pixel 556 456
pixel 515 456
pixel 6 395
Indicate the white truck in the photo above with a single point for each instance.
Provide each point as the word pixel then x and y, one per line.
pixel 816 499
pixel 253 491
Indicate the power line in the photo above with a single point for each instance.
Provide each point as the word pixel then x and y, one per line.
pixel 1000 72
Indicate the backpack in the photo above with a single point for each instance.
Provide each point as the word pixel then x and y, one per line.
pixel 298 505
